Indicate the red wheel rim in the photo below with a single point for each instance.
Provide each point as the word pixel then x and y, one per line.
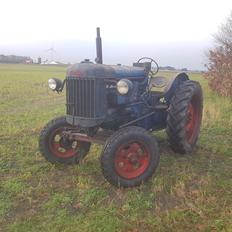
pixel 61 148
pixel 131 160
pixel 193 121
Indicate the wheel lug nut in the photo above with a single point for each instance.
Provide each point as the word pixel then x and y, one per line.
pixel 121 164
pixel 140 152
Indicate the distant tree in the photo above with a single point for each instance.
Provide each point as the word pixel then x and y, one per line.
pixel 220 60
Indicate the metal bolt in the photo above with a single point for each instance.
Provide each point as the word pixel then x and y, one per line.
pixel 121 164
pixel 140 152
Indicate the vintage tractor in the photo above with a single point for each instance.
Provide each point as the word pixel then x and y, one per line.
pixel 119 106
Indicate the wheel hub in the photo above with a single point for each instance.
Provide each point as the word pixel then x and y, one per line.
pixel 60 146
pixel 65 143
pixel 131 160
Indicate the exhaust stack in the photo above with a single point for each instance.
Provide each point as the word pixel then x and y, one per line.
pixel 99 59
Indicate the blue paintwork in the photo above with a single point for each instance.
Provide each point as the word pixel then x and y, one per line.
pixel 91 70
pixel 133 102
pixel 137 76
pixel 127 71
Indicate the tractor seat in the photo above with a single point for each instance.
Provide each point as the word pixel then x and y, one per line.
pixel 157 85
pixel 158 82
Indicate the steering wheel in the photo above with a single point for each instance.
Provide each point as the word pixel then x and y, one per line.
pixel 154 69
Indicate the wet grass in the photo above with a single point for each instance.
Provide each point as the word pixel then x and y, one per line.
pixel 190 192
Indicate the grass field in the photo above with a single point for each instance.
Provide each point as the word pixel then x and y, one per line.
pixel 187 193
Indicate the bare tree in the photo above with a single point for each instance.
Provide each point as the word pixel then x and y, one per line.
pixel 224 36
pixel 220 60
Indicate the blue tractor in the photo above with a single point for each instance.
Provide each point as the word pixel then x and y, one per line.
pixel 119 106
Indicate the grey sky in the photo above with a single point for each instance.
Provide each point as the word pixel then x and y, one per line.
pixel 173 32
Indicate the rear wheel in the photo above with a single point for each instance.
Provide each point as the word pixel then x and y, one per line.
pixel 129 157
pixel 57 149
pixel 184 117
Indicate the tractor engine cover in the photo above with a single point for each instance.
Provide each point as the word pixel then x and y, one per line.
pixel 91 91
pixel 87 69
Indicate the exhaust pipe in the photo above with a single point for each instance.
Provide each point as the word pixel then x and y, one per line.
pixel 99 59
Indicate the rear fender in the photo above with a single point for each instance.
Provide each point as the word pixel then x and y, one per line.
pixel 173 85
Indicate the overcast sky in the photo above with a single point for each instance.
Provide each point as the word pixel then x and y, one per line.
pixel 173 32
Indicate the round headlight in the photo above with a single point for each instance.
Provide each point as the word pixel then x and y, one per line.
pixel 55 84
pixel 124 86
pixel 52 84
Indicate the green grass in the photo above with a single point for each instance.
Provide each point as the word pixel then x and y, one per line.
pixel 187 193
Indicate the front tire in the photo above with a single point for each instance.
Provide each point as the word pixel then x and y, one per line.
pixel 130 156
pixel 184 117
pixel 56 149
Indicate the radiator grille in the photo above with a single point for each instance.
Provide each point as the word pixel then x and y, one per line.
pixel 85 97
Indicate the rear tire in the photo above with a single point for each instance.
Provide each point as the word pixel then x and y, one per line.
pixel 57 150
pixel 184 117
pixel 130 156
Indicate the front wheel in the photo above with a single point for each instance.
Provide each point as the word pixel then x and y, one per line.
pixel 129 157
pixel 57 149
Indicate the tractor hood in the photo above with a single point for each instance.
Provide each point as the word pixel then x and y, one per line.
pixel 88 69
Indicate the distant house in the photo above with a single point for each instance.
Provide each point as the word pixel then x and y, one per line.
pixel 29 61
pixel 53 62
pixel 15 59
pixel 167 68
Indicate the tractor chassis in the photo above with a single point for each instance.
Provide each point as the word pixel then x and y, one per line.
pixel 101 135
pixel 99 138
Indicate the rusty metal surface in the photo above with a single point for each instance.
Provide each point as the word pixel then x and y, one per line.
pixel 100 137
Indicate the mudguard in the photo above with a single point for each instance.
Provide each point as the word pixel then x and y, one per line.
pixel 173 85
